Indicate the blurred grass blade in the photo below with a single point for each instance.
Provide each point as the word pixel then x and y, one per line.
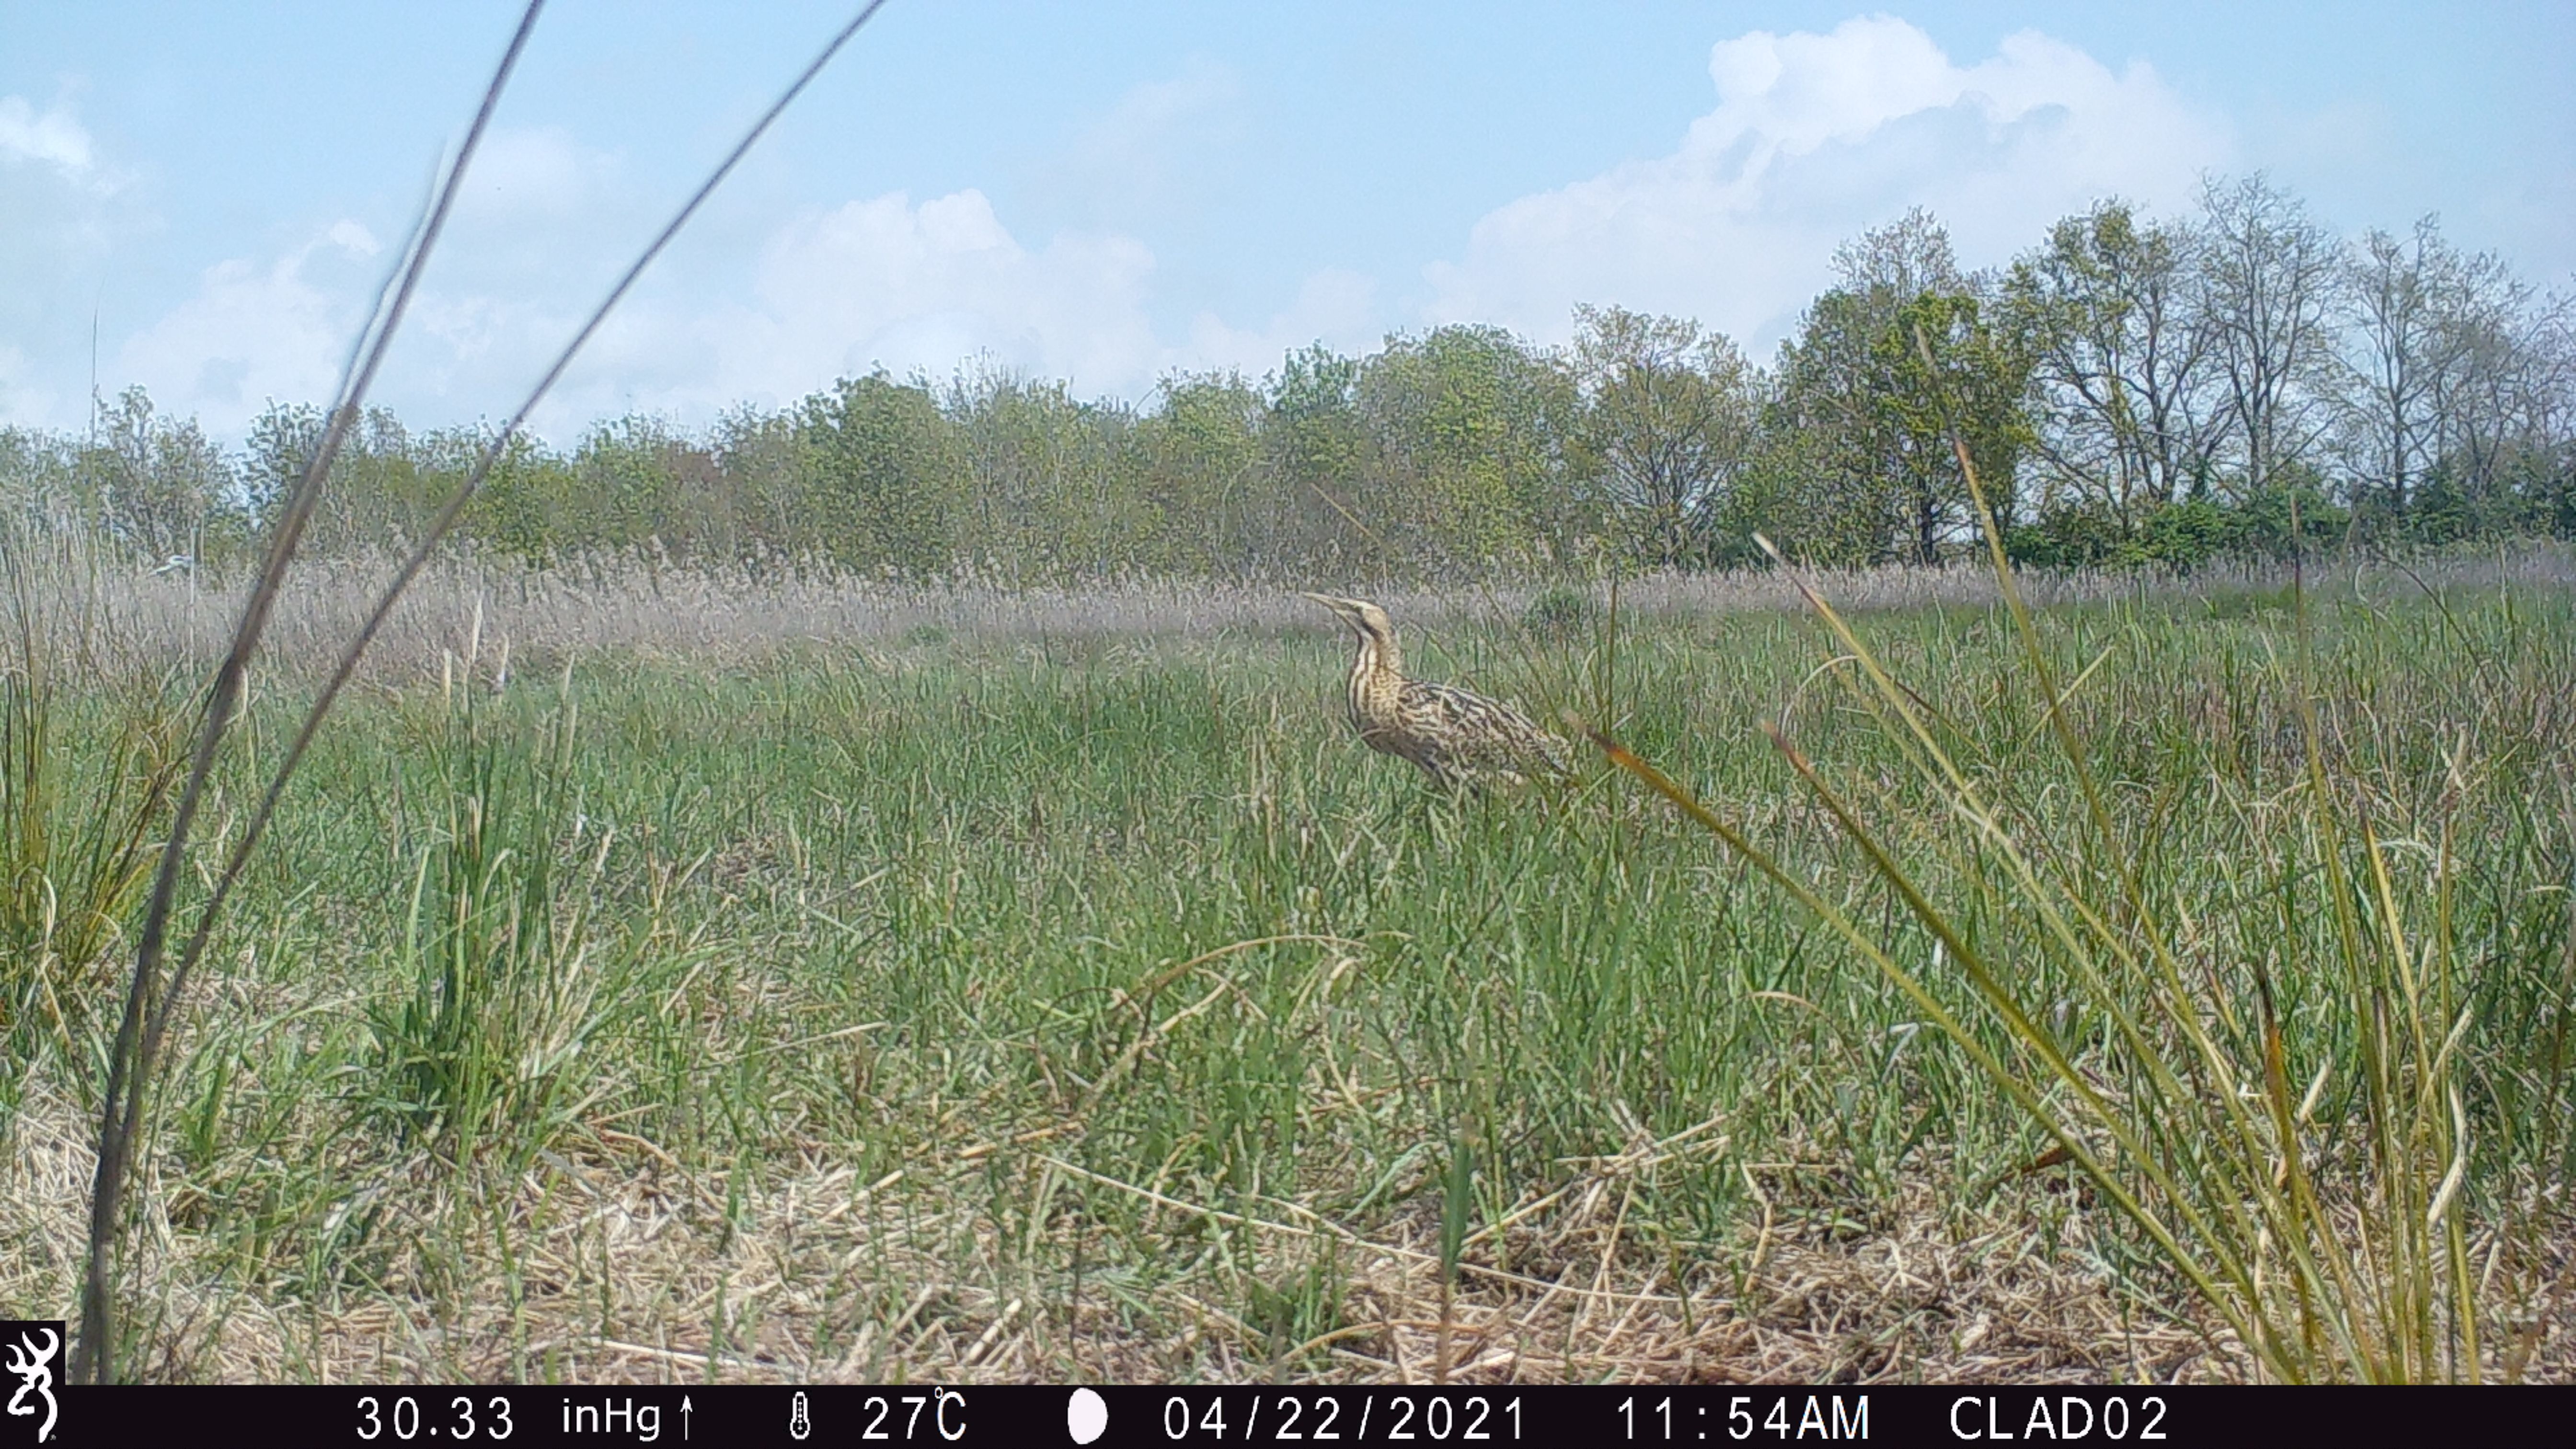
pixel 147 1002
pixel 2364 1276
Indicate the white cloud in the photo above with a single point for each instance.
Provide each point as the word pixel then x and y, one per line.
pixel 53 137
pixel 539 225
pixel 889 283
pixel 254 334
pixel 927 287
pixel 1818 137
pixel 886 282
pixel 540 228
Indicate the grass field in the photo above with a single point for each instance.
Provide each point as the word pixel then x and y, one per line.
pixel 986 1003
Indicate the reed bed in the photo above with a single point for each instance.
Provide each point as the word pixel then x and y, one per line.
pixel 551 614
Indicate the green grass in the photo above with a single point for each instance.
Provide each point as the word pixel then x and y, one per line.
pixel 1208 1039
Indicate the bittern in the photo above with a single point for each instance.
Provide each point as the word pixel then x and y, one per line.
pixel 1458 736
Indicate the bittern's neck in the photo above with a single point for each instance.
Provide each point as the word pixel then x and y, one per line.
pixel 1374 681
pixel 1379 651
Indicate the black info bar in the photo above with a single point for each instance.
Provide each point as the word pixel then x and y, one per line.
pixel 380 1417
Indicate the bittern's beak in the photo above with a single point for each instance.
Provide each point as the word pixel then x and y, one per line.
pixel 1346 610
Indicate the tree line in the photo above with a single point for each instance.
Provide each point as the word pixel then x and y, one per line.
pixel 2131 391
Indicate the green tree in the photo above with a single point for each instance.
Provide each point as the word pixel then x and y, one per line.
pixel 762 456
pixel 1976 382
pixel 160 486
pixel 2501 393
pixel 1870 414
pixel 639 486
pixel 1669 417
pixel 1475 448
pixel 40 477
pixel 1201 453
pixel 885 481
pixel 1319 451
pixel 1050 488
pixel 384 487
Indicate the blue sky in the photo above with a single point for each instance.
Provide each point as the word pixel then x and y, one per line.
pixel 1108 192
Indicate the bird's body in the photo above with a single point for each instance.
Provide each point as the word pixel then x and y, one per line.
pixel 1457 736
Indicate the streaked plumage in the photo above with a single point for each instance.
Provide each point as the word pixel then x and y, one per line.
pixel 1456 735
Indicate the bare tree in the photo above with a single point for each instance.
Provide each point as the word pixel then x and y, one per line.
pixel 2268 278
pixel 2511 374
pixel 2549 387
pixel 2456 373
pixel 2401 298
pixel 2123 366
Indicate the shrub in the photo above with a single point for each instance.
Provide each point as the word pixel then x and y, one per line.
pixel 1559 612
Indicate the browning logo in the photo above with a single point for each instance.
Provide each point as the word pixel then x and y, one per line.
pixel 30 1350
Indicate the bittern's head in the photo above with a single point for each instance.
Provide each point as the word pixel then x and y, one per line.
pixel 1363 617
